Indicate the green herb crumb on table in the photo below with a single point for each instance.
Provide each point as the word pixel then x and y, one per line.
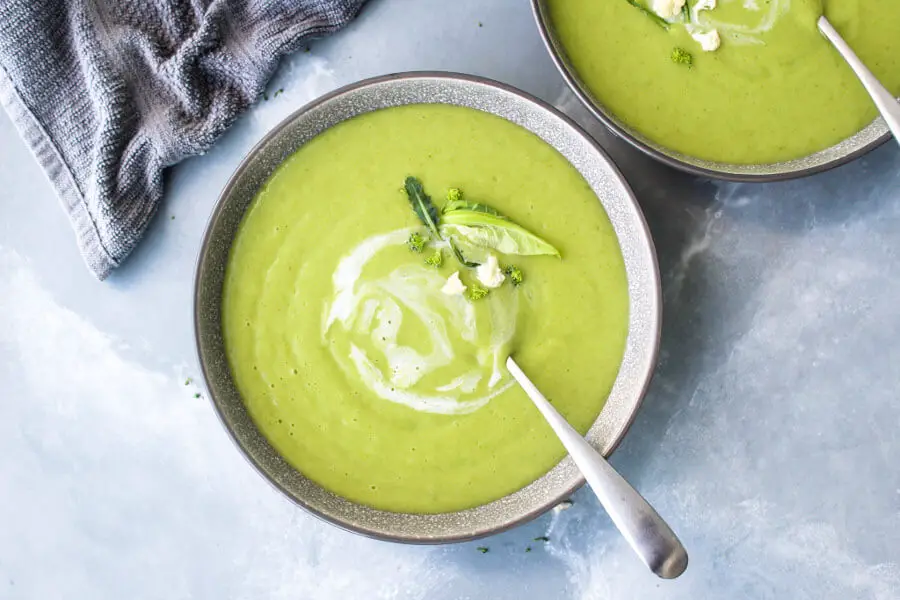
pixel 483 549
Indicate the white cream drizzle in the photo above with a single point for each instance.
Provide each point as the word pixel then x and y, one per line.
pixel 375 310
pixel 703 21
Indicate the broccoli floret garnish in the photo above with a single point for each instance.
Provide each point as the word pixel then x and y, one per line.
pixel 514 273
pixel 476 292
pixel 416 242
pixel 454 195
pixel 680 56
pixel 436 259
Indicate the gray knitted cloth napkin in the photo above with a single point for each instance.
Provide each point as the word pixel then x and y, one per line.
pixel 107 93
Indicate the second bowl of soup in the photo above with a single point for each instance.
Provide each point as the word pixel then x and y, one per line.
pixel 741 89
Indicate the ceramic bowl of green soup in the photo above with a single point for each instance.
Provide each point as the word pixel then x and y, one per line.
pixel 735 89
pixel 366 272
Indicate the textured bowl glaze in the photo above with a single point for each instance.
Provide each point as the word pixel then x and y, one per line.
pixel 875 134
pixel 514 106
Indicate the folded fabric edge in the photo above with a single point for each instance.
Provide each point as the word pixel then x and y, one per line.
pixel 57 171
pixel 95 253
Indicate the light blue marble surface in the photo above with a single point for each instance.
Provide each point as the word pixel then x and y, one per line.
pixel 769 439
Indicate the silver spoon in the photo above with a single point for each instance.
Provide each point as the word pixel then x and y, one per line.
pixel 644 530
pixel 885 102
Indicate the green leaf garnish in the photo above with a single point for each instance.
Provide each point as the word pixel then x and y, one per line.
pixel 460 204
pixel 428 213
pixel 471 224
pixel 459 255
pixel 422 205
pixel 653 16
pixel 478 224
pixel 490 231
pixel 416 242
pixel 686 11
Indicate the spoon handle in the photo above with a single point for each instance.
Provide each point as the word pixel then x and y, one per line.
pixel 644 530
pixel 885 102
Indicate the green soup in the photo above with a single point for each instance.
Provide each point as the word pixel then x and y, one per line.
pixel 774 90
pixel 355 365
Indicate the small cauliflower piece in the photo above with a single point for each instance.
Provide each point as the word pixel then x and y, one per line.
pixel 704 5
pixel 667 9
pixel 454 285
pixel 490 274
pixel 708 40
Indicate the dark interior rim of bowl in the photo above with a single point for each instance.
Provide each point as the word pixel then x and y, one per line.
pixel 628 391
pixel 872 136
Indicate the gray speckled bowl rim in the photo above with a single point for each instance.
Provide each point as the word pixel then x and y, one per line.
pixel 482 94
pixel 872 136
